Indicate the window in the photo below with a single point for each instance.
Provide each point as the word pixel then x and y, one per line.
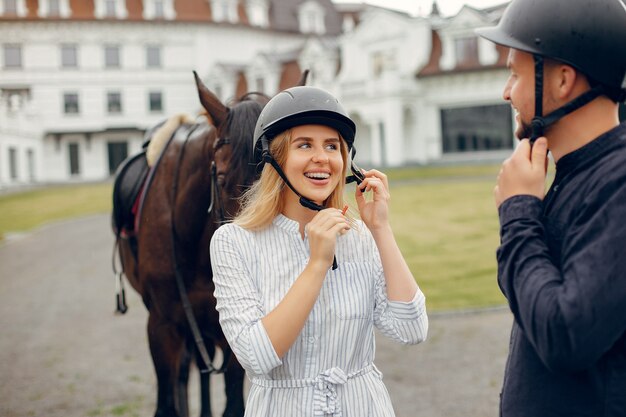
pixel 70 103
pixel 74 161
pixel 466 50
pixel 153 56
pixel 159 9
pixel 13 163
pixel 258 11
pixel 69 56
pixel 118 151
pixel 224 10
pixel 109 8
pixel 10 7
pixel 112 56
pixel 479 128
pixel 54 8
pixel 383 61
pixel 155 99
pixel 12 56
pixel 312 17
pixel 114 102
pixel 30 159
pixel 260 85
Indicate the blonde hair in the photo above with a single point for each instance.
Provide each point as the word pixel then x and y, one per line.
pixel 265 198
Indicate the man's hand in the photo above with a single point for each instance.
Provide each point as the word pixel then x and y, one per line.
pixel 524 173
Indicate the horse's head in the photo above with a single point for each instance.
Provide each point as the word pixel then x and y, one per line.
pixel 234 165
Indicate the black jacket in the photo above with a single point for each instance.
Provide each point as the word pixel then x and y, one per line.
pixel 562 268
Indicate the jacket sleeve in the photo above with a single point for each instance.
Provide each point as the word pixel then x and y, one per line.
pixel 571 315
pixel 239 304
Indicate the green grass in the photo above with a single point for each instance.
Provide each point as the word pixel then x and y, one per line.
pixel 442 171
pixel 444 219
pixel 24 211
pixel 448 233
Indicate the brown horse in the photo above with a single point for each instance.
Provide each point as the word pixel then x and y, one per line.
pixel 203 167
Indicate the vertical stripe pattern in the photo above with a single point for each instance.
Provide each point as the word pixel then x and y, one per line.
pixel 253 271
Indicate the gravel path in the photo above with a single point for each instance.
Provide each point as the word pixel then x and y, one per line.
pixel 63 353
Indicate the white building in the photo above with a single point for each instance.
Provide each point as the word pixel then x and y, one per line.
pixel 86 78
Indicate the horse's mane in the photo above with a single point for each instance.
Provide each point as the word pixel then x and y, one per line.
pixel 240 124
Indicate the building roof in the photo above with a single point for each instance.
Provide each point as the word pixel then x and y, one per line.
pixel 283 14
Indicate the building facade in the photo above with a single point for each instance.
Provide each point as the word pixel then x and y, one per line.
pixel 82 80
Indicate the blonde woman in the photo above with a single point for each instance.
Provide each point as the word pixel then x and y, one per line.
pixel 299 285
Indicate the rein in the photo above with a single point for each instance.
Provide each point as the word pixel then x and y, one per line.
pixel 215 187
pixel 193 324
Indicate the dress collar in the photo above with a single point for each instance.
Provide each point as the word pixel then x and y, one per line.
pixel 287 224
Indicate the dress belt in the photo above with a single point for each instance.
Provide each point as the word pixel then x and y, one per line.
pixel 325 384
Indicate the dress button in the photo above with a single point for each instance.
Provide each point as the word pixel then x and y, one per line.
pixel 311 340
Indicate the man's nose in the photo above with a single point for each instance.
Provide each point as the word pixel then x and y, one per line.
pixel 506 93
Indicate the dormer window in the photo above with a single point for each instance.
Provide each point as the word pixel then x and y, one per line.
pixel 54 8
pixel 258 12
pixel 13 8
pixel 224 11
pixel 111 9
pixel 158 9
pixel 10 7
pixel 312 18
pixel 466 50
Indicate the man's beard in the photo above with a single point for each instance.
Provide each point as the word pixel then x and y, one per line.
pixel 523 131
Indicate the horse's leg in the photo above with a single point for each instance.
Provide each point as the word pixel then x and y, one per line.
pixel 166 347
pixel 182 402
pixel 205 382
pixel 233 381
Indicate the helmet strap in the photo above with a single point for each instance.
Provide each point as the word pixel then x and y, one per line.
pixel 356 176
pixel 537 124
pixel 540 122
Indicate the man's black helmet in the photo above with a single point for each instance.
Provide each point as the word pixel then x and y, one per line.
pixel 298 106
pixel 589 35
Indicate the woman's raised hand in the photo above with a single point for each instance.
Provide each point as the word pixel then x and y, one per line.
pixel 375 212
pixel 323 231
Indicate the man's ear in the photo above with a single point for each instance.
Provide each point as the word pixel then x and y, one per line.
pixel 568 82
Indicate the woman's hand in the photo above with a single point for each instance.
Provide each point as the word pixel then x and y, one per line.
pixel 323 231
pixel 375 212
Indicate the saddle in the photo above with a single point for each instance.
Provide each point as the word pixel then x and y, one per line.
pixel 129 181
pixel 134 176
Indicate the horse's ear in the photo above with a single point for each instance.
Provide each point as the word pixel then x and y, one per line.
pixel 303 78
pixel 211 103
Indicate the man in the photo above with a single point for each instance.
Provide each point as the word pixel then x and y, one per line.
pixel 562 259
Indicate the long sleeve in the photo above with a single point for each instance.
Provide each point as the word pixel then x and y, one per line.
pixel 405 322
pixel 572 312
pixel 239 305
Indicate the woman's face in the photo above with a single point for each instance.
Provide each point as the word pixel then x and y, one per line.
pixel 314 164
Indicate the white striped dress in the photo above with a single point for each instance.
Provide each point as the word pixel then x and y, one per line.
pixel 329 370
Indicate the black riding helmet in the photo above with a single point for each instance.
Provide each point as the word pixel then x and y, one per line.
pixel 589 35
pixel 299 106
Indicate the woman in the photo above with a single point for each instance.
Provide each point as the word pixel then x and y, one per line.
pixel 302 327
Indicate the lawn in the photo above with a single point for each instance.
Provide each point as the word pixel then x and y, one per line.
pixel 24 211
pixel 444 219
